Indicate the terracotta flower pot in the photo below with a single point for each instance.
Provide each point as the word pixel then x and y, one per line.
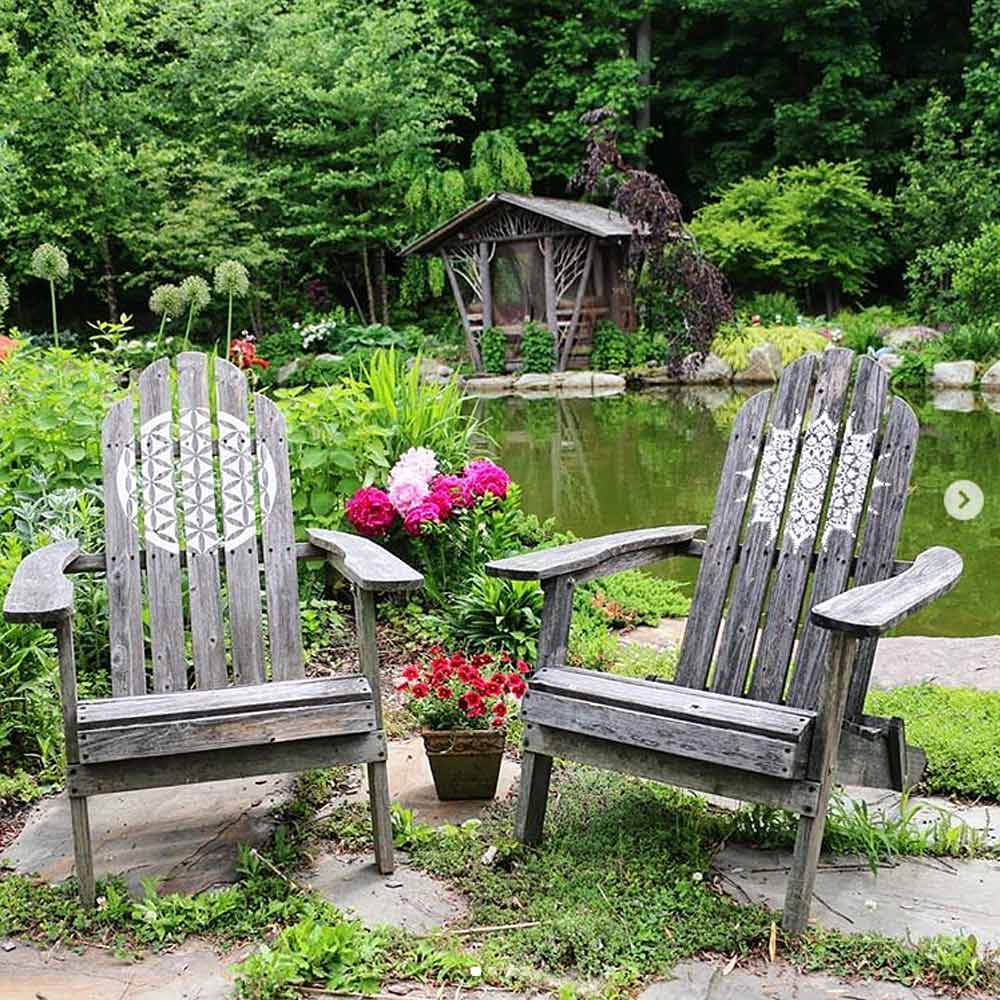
pixel 465 763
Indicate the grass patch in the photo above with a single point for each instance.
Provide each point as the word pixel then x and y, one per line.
pixel 957 727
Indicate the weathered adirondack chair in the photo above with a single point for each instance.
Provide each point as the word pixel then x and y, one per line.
pixel 210 716
pixel 751 714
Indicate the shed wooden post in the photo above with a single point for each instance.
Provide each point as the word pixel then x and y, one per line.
pixel 550 288
pixel 567 346
pixel 470 340
pixel 484 281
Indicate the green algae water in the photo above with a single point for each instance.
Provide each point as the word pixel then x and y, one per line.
pixel 639 460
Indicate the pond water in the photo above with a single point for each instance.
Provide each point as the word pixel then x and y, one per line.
pixel 640 460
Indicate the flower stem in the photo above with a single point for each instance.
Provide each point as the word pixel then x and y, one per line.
pixel 187 332
pixel 229 326
pixel 159 336
pixel 55 322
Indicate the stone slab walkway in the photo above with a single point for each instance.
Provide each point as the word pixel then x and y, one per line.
pixel 186 836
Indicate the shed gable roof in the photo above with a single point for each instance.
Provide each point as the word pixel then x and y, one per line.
pixel 594 220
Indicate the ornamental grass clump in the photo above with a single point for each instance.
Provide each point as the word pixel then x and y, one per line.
pixel 196 295
pixel 231 279
pixel 167 302
pixel 459 692
pixel 50 264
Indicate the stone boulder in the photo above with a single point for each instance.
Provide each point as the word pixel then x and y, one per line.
pixel 328 359
pixel 534 382
pixel 953 374
pixel 289 370
pixel 888 360
pixel 991 379
pixel 608 381
pixel 659 375
pixel 764 365
pixel 910 336
pixel 490 385
pixel 712 370
pixel 954 400
pixel 434 372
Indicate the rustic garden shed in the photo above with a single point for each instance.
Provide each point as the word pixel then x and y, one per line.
pixel 513 258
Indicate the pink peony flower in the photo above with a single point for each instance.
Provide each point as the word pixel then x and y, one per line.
pixel 416 463
pixel 371 511
pixel 420 514
pixel 406 492
pixel 455 488
pixel 484 476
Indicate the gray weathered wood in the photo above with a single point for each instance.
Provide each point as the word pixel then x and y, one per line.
pixel 39 591
pixel 486 284
pixel 284 626
pixel 102 712
pixel 532 799
pixel 470 340
pixel 121 542
pixel 890 489
pixel 672 701
pixel 378 800
pixel 823 770
pixel 722 544
pixel 365 563
pixel 83 853
pixel 767 506
pixel 640 727
pixel 850 489
pixel 704 776
pixel 277 725
pixel 875 608
pixel 802 524
pixel 239 518
pixel 577 557
pixel 570 335
pixel 869 752
pixel 163 571
pixel 222 764
pixel 549 275
pixel 198 479
pixel 365 622
pixel 557 613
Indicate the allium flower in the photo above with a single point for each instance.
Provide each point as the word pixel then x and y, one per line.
pixel 406 492
pixel 196 292
pixel 231 278
pixel 371 511
pixel 416 463
pixel 420 514
pixel 4 295
pixel 49 262
pixel 167 301
pixel 484 476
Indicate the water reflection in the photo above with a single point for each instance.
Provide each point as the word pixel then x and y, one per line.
pixel 637 460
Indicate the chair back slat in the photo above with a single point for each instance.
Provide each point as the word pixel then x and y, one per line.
pixel 278 537
pixel 239 520
pixel 201 531
pixel 159 514
pixel 121 545
pixel 770 494
pixel 890 489
pixel 189 487
pixel 843 521
pixel 722 543
pixel 805 507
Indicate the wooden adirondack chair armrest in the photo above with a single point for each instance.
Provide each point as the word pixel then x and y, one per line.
pixel 876 607
pixel 40 591
pixel 594 557
pixel 364 562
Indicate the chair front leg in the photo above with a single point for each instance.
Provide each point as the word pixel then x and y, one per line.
pixel 823 769
pixel 532 797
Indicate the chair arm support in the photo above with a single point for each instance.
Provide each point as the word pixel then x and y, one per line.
pixel 876 607
pixel 365 563
pixel 40 591
pixel 595 557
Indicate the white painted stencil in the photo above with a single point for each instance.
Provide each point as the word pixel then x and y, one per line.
pixel 850 482
pixel 775 472
pixel 818 446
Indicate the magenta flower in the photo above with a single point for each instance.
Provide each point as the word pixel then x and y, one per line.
pixel 484 476
pixel 407 491
pixel 455 489
pixel 419 515
pixel 371 511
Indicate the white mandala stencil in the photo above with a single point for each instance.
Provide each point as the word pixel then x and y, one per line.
pixel 158 488
pixel 775 472
pixel 850 482
pixel 198 480
pixel 818 446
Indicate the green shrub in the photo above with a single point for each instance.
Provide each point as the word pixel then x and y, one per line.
pixel 863 330
pixel 494 351
pixel 734 343
pixel 971 342
pixel 610 351
pixel 914 368
pixel 53 404
pixel 976 278
pixel 773 308
pixel 538 349
pixel 633 598
pixel 494 615
pixel 928 278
